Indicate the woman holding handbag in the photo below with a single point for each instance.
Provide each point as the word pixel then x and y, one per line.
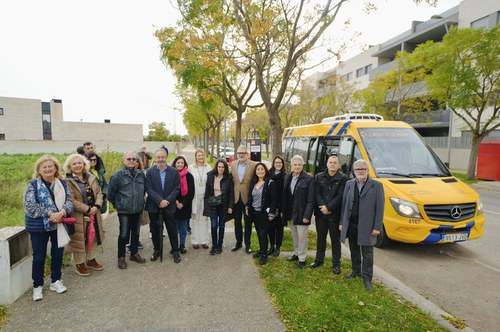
pixel 219 202
pixel 262 207
pixel 87 200
pixel 46 201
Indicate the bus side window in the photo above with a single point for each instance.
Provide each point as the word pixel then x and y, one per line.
pixel 345 155
pixel 311 155
pixel 327 146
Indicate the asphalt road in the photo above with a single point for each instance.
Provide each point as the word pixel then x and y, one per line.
pixel 461 278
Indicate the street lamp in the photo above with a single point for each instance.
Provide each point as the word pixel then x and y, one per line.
pixel 450 112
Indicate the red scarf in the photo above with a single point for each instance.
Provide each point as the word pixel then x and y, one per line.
pixel 184 184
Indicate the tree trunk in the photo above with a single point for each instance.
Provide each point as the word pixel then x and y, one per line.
pixel 471 168
pixel 237 138
pixel 276 130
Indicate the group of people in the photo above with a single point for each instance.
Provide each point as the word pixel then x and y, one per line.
pixel 66 206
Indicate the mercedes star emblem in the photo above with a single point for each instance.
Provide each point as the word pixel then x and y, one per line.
pixel 456 212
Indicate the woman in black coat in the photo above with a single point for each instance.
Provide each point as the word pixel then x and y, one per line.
pixel 183 201
pixel 219 202
pixel 262 206
pixel 277 174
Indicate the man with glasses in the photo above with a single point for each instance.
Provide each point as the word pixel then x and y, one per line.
pixel 361 221
pixel 163 185
pixel 126 193
pixel 242 174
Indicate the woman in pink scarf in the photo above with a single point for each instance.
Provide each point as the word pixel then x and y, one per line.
pixel 183 202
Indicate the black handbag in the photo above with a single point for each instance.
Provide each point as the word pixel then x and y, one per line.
pixel 214 201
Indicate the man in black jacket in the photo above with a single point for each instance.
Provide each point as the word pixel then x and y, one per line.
pixel 298 206
pixel 329 188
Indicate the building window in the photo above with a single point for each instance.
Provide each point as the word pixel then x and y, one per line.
pixel 46 121
pixel 360 72
pixel 367 69
pixel 481 23
pixel 1 110
pixel 348 76
pixel 2 137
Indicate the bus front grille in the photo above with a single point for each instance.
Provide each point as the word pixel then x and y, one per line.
pixel 450 212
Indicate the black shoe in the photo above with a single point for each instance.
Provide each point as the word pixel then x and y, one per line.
pixel 177 257
pixel 270 251
pixel 336 270
pixel 368 285
pixel 293 258
pixel 139 245
pixel 262 259
pixel 155 256
pixel 276 253
pixel 182 249
pixel 301 265
pixel 256 255
pixel 248 250
pixel 213 251
pixel 352 275
pixel 237 246
pixel 218 251
pixel 315 264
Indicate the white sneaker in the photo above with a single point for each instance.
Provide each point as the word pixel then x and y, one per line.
pixel 37 293
pixel 58 287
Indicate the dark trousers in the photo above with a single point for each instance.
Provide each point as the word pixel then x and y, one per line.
pixel 170 224
pixel 239 212
pixel 130 225
pixel 218 225
pixel 262 224
pixel 323 227
pixel 276 233
pixel 364 266
pixel 39 243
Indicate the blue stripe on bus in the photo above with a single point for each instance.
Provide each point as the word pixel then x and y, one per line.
pixel 291 132
pixel 344 127
pixel 332 129
pixel 286 132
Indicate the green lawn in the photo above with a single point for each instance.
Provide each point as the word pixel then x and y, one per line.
pixel 463 178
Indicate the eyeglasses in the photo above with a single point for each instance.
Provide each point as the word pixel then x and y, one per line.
pixel 131 159
pixel 360 169
pixel 93 159
pixel 241 153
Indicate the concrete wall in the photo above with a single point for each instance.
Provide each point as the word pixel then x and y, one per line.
pixel 21 119
pixel 472 10
pixel 26 147
pixel 87 131
pixel 459 157
pixel 357 62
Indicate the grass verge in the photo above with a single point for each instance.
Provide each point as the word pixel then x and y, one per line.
pixel 288 241
pixel 318 300
pixel 464 179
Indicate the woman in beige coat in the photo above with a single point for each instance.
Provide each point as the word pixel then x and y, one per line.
pixel 87 200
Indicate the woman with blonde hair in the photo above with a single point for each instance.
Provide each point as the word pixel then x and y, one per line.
pixel 87 200
pixel 46 201
pixel 200 224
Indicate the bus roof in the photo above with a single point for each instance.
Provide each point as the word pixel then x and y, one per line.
pixel 339 127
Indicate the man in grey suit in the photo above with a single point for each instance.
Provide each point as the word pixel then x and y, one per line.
pixel 361 220
pixel 162 186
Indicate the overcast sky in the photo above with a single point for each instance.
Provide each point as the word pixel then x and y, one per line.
pixel 102 60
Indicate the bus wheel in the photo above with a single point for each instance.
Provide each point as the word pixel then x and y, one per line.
pixel 382 239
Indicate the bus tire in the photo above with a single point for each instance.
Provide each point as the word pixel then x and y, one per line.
pixel 382 239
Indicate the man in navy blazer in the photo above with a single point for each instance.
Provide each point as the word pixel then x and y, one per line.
pixel 162 186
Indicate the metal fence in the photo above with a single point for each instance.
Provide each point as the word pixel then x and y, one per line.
pixel 456 142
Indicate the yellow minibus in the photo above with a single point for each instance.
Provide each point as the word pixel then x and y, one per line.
pixel 424 202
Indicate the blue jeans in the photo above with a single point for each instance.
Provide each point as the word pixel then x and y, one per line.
pixel 39 243
pixel 182 226
pixel 130 224
pixel 218 223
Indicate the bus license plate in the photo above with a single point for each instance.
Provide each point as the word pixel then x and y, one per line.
pixel 454 237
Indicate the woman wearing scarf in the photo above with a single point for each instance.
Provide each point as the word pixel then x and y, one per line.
pixel 98 172
pixel 200 224
pixel 277 173
pixel 184 200
pixel 87 200
pixel 46 201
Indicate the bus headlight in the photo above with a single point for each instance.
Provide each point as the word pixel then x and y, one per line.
pixel 479 206
pixel 405 208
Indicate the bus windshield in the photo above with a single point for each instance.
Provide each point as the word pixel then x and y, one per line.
pixel 400 152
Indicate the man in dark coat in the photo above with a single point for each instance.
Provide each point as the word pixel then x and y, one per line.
pixel 362 216
pixel 298 206
pixel 329 188
pixel 162 186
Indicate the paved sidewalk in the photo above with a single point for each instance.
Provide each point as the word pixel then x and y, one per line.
pixel 202 293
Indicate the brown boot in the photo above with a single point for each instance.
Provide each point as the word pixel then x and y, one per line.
pixel 92 264
pixel 122 263
pixel 137 258
pixel 81 270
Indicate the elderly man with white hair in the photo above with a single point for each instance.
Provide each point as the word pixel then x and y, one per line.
pixel 361 220
pixel 298 206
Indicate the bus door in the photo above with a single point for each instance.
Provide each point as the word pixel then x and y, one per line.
pixel 348 153
pixel 328 146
